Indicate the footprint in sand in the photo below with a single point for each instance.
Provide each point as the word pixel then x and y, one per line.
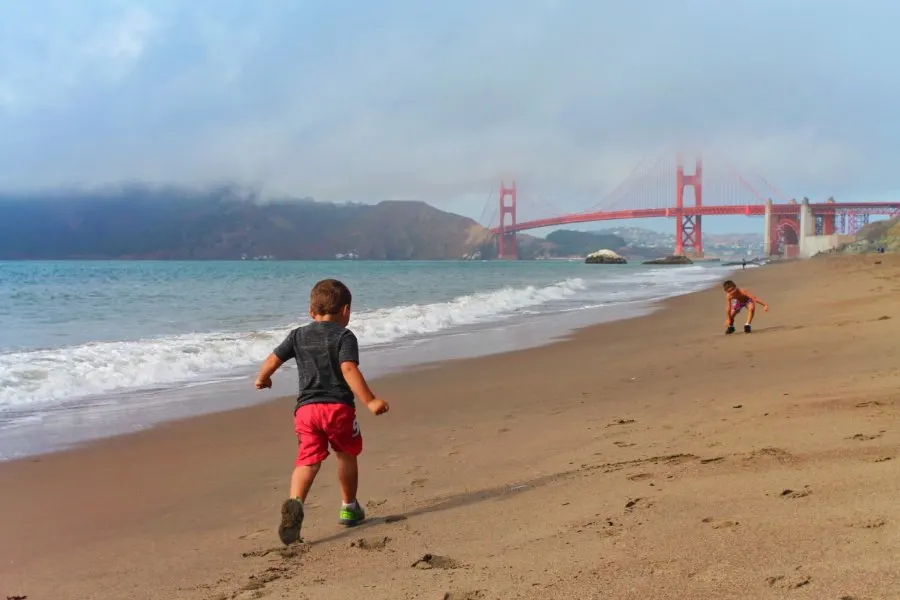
pixel 720 523
pixel 640 477
pixel 768 453
pixel 789 582
pixel 254 588
pixel 884 459
pixel 418 483
pixel 624 444
pixel 789 493
pixel 621 422
pixel 635 503
pixel 292 551
pixel 868 403
pixel 434 561
pixel 373 543
pixel 876 523
pixel 862 437
pixel 471 595
pixel 610 528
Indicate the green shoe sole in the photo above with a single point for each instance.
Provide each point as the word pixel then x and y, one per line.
pixel 350 518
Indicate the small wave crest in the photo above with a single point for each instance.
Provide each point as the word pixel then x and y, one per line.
pixel 47 376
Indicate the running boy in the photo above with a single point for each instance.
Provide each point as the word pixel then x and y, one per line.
pixel 327 358
pixel 735 300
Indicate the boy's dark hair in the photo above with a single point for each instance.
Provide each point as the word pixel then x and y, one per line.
pixel 328 297
pixel 728 284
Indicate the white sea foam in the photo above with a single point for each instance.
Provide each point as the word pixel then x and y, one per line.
pixel 32 378
pixel 39 379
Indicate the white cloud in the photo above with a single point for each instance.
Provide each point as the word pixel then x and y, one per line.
pixel 362 101
pixel 124 38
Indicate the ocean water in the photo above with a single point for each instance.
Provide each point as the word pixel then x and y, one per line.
pixel 89 349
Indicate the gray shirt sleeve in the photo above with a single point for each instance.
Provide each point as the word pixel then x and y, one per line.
pixel 348 348
pixel 286 349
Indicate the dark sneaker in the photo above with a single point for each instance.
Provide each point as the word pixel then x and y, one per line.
pixel 730 330
pixel 352 515
pixel 291 521
pixel 746 329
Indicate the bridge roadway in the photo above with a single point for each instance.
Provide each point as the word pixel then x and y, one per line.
pixel 749 210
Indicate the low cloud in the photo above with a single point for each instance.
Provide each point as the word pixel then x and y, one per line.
pixel 365 101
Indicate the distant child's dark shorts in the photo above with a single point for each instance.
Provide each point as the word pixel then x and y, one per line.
pixel 318 425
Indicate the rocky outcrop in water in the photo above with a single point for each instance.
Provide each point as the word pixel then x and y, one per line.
pixel 604 257
pixel 670 260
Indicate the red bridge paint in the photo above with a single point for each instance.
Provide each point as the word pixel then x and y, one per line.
pixel 830 216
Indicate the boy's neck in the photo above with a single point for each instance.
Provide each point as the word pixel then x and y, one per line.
pixel 325 318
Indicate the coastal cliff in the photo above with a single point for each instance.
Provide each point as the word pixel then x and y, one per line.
pixel 226 224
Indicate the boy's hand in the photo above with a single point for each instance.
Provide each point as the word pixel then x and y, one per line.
pixel 264 378
pixel 378 406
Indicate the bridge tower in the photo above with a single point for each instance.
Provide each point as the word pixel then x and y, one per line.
pixel 688 228
pixel 506 241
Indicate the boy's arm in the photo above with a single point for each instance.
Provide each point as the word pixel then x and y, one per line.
pixel 360 388
pixel 348 355
pixel 284 352
pixel 264 378
pixel 755 299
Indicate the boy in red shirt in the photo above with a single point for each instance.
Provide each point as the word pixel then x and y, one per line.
pixel 327 356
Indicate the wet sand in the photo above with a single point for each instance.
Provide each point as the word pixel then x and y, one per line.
pixel 653 458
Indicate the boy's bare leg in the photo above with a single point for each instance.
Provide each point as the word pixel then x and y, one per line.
pixel 302 480
pixel 292 510
pixel 751 310
pixel 352 513
pixel 348 476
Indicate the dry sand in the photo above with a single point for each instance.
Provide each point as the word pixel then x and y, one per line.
pixel 650 458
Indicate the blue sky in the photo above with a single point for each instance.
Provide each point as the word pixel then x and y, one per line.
pixel 437 101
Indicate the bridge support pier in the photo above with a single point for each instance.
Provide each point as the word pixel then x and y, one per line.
pixel 768 237
pixel 807 224
pixel 506 238
pixel 689 234
pixel 689 228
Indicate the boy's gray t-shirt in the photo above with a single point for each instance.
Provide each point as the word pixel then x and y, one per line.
pixel 319 349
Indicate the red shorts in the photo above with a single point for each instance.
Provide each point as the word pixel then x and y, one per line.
pixel 317 425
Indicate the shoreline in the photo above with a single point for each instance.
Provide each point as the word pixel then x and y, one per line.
pixel 643 456
pixel 72 425
pixel 647 308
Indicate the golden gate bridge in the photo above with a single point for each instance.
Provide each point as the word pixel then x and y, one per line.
pixel 663 190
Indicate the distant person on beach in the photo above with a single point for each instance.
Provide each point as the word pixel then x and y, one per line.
pixel 736 299
pixel 743 264
pixel 327 358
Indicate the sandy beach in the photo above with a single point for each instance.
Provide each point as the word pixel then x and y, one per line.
pixel 653 458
